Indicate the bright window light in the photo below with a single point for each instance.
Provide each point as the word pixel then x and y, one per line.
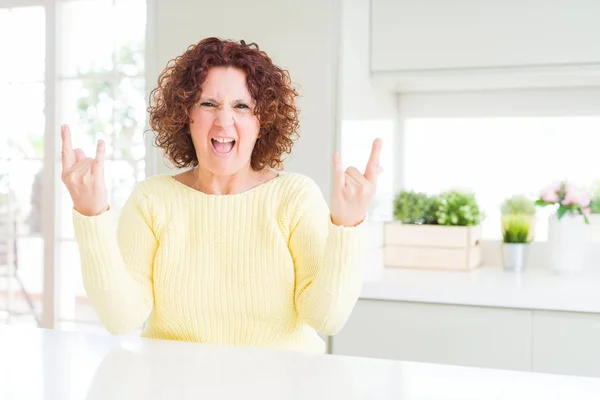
pixel 498 157
pixel 357 140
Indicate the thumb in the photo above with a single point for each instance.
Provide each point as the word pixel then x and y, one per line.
pixel 338 171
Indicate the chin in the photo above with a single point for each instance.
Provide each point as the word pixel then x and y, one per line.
pixel 221 168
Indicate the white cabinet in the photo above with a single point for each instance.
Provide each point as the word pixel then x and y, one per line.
pixel 408 35
pixel 566 343
pixel 468 45
pixel 446 334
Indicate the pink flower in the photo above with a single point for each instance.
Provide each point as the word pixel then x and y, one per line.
pixel 550 193
pixel 585 200
pixel 587 211
pixel 576 195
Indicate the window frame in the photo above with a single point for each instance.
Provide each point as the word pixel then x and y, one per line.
pixel 577 101
pixel 51 178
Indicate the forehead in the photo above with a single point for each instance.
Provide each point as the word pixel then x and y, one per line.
pixel 225 82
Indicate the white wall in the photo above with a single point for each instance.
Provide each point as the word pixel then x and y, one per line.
pixel 302 37
pixel 360 100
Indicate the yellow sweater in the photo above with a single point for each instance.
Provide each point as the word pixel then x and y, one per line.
pixel 264 268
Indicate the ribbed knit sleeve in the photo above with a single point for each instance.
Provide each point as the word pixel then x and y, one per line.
pixel 117 263
pixel 328 263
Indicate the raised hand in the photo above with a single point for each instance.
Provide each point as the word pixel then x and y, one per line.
pixel 353 191
pixel 84 176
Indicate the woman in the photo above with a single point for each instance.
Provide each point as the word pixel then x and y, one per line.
pixel 232 251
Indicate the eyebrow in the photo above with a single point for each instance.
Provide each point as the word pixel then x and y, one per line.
pixel 212 100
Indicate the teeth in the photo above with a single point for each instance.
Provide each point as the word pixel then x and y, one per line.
pixel 223 140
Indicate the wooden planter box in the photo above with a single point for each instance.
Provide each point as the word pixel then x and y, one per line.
pixel 432 246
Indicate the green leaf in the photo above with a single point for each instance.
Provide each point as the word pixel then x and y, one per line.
pixel 458 208
pixel 595 206
pixel 516 229
pixel 585 218
pixel 410 207
pixel 562 210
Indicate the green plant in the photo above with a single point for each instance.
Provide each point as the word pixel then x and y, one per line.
pixel 518 205
pixel 411 207
pixel 458 208
pixel 595 206
pixel 516 230
pixel 595 194
pixel 433 203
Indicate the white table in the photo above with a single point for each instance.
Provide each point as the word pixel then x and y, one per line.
pixel 53 365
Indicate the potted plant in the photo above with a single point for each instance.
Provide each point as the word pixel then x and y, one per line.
pixel 434 231
pixel 521 206
pixel 594 217
pixel 570 200
pixel 515 241
pixel 567 225
pixel 595 198
pixel 411 207
pixel 457 208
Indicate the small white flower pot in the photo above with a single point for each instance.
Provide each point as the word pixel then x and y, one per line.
pixel 567 240
pixel 593 235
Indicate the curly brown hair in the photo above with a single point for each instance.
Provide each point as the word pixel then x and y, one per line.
pixel 179 87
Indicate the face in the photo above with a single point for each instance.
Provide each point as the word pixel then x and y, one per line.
pixel 224 128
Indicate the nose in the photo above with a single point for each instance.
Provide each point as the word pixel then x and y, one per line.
pixel 224 117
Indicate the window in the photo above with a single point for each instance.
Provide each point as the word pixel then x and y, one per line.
pixel 357 140
pixel 100 92
pixel 500 156
pixel 22 45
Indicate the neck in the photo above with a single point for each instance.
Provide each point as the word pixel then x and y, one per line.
pixel 210 183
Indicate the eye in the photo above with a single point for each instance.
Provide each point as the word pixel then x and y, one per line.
pixel 242 106
pixel 206 104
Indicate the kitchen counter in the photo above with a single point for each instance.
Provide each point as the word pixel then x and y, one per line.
pixel 537 289
pixel 54 365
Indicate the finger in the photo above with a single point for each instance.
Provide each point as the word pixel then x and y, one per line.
pixel 98 166
pixel 67 154
pixel 338 171
pixel 81 171
pixel 355 177
pixel 79 155
pixel 373 163
pixel 83 167
pixel 100 151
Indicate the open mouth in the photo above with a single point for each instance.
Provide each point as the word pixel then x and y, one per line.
pixel 223 146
